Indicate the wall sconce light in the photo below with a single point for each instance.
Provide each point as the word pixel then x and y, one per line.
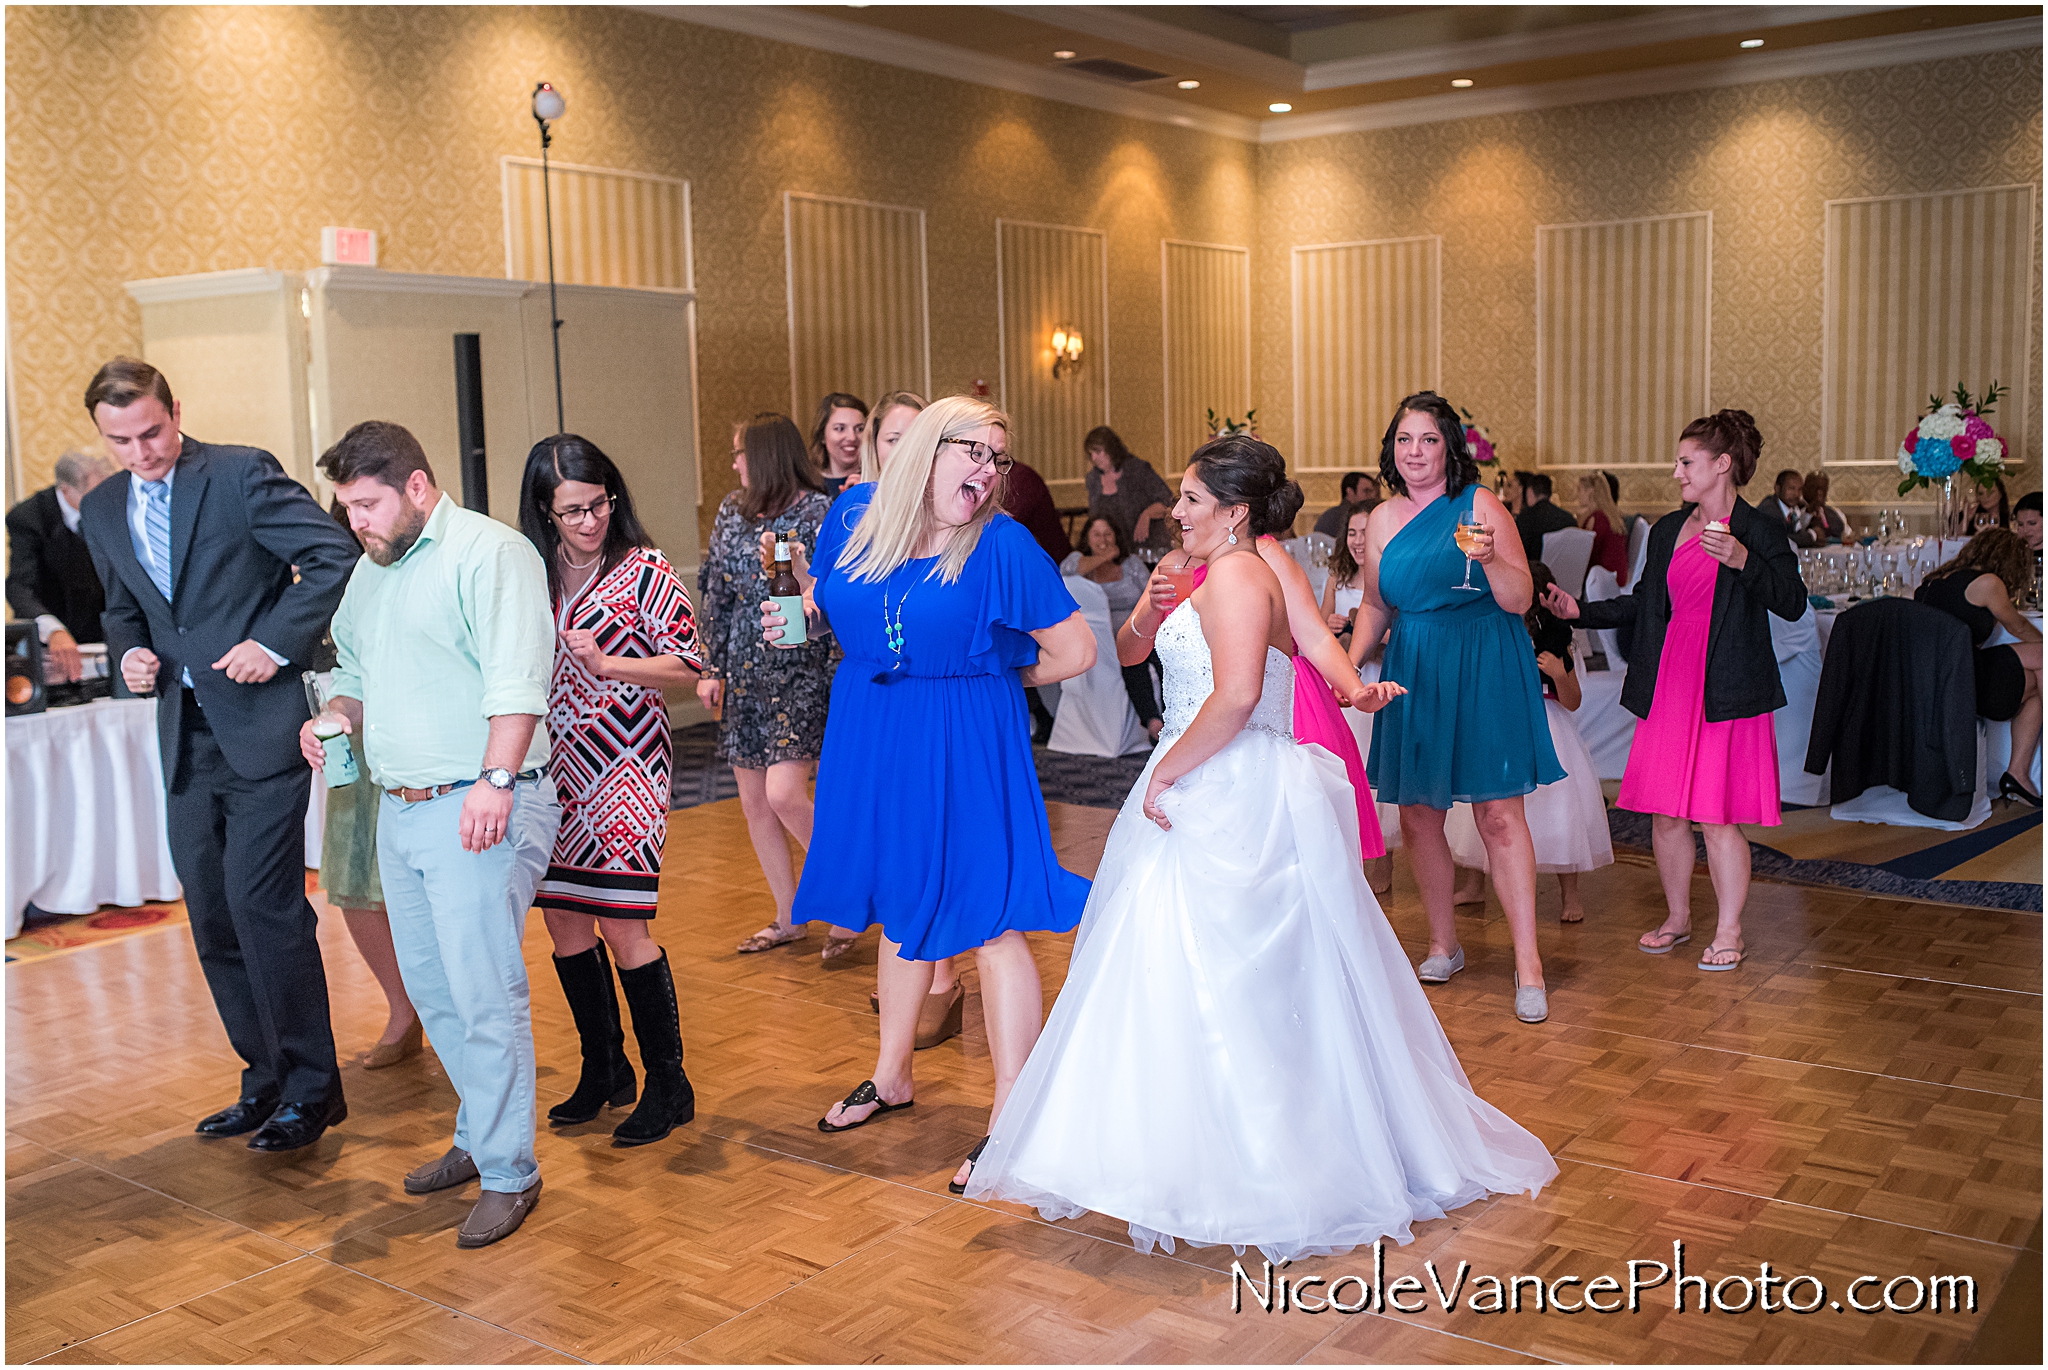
pixel 1066 349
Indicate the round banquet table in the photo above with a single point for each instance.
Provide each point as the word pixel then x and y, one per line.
pixel 85 810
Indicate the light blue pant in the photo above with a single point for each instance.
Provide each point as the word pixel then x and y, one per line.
pixel 457 921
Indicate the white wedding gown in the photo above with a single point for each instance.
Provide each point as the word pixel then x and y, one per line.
pixel 1241 1053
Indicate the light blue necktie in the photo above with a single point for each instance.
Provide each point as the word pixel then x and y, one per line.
pixel 156 522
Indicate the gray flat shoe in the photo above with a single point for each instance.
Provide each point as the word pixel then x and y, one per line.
pixel 1435 970
pixel 452 1169
pixel 496 1216
pixel 1532 1002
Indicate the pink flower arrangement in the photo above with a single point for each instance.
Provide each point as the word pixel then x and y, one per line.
pixel 1952 437
pixel 1479 440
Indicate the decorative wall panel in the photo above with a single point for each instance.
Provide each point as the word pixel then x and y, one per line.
pixel 1622 338
pixel 1368 330
pixel 857 300
pixel 1207 294
pixel 611 227
pixel 1048 275
pixel 1924 292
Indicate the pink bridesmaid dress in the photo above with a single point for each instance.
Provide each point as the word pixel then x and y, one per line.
pixel 1319 719
pixel 1680 764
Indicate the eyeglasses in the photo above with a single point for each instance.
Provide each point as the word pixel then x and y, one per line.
pixel 981 454
pixel 585 513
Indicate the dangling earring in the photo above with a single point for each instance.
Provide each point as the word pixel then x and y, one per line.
pixel 1233 537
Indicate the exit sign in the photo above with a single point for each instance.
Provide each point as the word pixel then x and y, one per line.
pixel 348 246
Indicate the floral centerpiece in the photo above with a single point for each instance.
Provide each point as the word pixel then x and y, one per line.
pixel 1953 437
pixel 1228 427
pixel 1478 439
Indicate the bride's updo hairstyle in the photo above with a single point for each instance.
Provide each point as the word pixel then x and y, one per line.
pixel 1459 468
pixel 1239 469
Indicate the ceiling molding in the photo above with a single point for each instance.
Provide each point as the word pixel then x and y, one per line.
pixel 206 285
pixel 943 59
pixel 375 278
pixel 1818 59
pixel 1575 41
pixel 1167 40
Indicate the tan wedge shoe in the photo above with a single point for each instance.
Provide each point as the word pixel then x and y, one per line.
pixel 939 1016
pixel 391 1053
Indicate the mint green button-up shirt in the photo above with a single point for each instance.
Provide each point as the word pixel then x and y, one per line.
pixel 453 632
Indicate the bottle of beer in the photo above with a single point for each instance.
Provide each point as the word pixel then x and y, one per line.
pixel 788 597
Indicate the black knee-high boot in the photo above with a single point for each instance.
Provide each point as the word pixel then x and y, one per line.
pixel 668 1101
pixel 607 1074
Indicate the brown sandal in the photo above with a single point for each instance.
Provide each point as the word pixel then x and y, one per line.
pixel 939 1017
pixel 836 947
pixel 773 936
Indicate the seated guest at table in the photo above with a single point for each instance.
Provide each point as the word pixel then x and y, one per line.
pixel 445 647
pixel 1126 490
pixel 1787 502
pixel 1344 590
pixel 1109 561
pixel 1706 751
pixel 214 618
pixel 49 571
pixel 1539 516
pixel 348 872
pixel 1825 525
pixel 1358 488
pixel 1514 491
pixel 1610 542
pixel 835 440
pixel 1979 587
pixel 2026 521
pixel 1994 510
pixel 626 633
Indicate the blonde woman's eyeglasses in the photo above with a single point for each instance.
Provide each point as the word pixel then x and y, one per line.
pixel 981 454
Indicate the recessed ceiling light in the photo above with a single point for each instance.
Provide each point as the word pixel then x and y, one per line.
pixel 1462 82
pixel 1752 42
pixel 1065 54
pixel 1279 107
pixel 1190 85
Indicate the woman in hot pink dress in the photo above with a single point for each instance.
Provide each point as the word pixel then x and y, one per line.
pixel 1321 668
pixel 1704 677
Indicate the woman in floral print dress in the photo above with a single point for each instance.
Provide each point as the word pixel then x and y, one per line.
pixel 773 700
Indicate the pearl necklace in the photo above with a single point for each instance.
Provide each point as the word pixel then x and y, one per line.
pixel 580 566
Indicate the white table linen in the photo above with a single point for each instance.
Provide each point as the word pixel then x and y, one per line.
pixel 1095 717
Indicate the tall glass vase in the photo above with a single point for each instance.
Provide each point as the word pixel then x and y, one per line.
pixel 1952 493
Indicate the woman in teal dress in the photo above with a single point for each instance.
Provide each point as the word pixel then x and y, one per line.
pixel 1471 727
pixel 930 820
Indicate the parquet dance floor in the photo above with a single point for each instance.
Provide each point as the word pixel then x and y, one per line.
pixel 1862 1098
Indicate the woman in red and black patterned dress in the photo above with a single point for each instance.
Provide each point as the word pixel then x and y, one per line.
pixel 627 632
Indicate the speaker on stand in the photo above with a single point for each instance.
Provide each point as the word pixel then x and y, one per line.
pixel 469 420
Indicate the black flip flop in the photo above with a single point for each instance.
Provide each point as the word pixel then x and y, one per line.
pixel 972 1157
pixel 864 1093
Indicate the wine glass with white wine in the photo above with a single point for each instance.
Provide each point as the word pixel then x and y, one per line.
pixel 1470 534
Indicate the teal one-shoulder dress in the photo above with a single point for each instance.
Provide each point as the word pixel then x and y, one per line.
pixel 1471 727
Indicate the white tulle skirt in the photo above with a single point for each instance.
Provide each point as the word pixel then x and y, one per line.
pixel 1567 819
pixel 1241 1054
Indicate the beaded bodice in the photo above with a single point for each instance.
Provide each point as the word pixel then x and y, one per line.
pixel 1191 679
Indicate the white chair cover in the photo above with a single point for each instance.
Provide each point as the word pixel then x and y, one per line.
pixel 1638 549
pixel 1607 728
pixel 1601 584
pixel 1305 553
pixel 1883 804
pixel 1361 729
pixel 1095 716
pixel 1567 553
pixel 1799 660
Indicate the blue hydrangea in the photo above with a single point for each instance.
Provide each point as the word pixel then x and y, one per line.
pixel 1935 458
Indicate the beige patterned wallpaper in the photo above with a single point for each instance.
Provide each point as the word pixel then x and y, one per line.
pixel 1763 158
pixel 160 141
pixel 1052 278
pixel 148 142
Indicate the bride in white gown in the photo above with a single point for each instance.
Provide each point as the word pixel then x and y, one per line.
pixel 1241 1053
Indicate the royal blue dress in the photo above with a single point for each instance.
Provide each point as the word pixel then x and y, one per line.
pixel 1471 726
pixel 929 816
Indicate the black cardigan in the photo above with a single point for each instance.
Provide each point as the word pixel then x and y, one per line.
pixel 1742 665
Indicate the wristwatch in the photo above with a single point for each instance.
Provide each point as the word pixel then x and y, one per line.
pixel 497 777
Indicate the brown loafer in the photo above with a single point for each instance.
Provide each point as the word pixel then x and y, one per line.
pixel 938 1017
pixel 452 1169
pixel 391 1053
pixel 496 1216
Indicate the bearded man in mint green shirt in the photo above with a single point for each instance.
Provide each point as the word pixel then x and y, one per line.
pixel 445 644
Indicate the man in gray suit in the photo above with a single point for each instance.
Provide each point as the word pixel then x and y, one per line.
pixel 196 545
